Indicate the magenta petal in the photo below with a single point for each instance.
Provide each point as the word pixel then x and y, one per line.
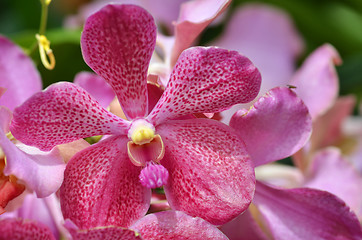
pixel 268 37
pixel 18 75
pixel 19 229
pixel 276 126
pixel 330 172
pixel 194 18
pixel 41 172
pixel 304 213
pixel 244 227
pixel 210 173
pixel 117 43
pixel 96 86
pixel 207 80
pixel 317 80
pixel 101 187
pixel 176 225
pixel 104 233
pixel 60 114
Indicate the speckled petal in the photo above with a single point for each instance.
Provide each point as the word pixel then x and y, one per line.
pixel 317 80
pixel 210 173
pixel 96 86
pixel 104 233
pixel 194 18
pixel 41 172
pixel 20 84
pixel 305 213
pixel 275 127
pixel 20 229
pixel 101 187
pixel 176 225
pixel 117 43
pixel 207 80
pixel 329 171
pixel 63 113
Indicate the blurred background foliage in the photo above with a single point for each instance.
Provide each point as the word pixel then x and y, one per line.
pixel 338 22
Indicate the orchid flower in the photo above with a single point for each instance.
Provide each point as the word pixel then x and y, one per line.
pixel 203 166
pixel 20 165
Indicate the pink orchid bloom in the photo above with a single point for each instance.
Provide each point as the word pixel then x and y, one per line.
pixel 24 165
pixel 210 175
pixel 277 126
pixel 161 225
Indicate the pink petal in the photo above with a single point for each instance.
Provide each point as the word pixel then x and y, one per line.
pixel 330 172
pixel 207 80
pixel 20 84
pixel 317 80
pixel 244 227
pixel 41 172
pixel 96 86
pixel 327 129
pixel 210 173
pixel 104 233
pixel 176 225
pixel 117 43
pixel 19 229
pixel 193 19
pixel 101 187
pixel 276 126
pixel 268 37
pixel 304 213
pixel 63 113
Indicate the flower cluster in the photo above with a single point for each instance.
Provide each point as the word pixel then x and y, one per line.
pixel 175 146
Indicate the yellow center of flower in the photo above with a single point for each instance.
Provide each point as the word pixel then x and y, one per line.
pixel 142 135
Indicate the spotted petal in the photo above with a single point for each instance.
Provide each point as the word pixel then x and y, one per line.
pixel 194 18
pixel 176 225
pixel 63 113
pixel 276 126
pixel 117 43
pixel 101 187
pixel 317 80
pixel 210 173
pixel 104 233
pixel 20 84
pixel 207 80
pixel 41 172
pixel 18 229
pixel 304 213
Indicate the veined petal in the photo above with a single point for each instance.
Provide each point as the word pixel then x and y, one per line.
pixel 22 84
pixel 117 43
pixel 176 225
pixel 304 213
pixel 96 86
pixel 41 172
pixel 104 233
pixel 210 172
pixel 194 17
pixel 19 229
pixel 63 113
pixel 101 187
pixel 207 80
pixel 330 172
pixel 275 127
pixel 317 81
